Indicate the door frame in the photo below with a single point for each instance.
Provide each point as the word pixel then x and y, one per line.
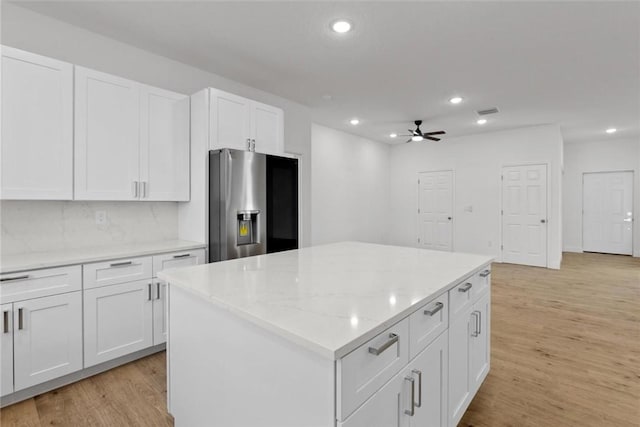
pixel 453 203
pixel 633 201
pixel 547 164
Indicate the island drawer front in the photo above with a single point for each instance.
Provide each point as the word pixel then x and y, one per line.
pixel 361 373
pixel 177 259
pixel 426 324
pixel 113 272
pixel 482 280
pixel 461 297
pixel 39 283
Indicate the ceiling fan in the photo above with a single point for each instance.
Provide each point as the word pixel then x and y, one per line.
pixel 418 135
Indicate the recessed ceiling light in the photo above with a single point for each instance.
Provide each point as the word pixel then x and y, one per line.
pixel 354 121
pixel 481 121
pixel 393 135
pixel 341 26
pixel 611 130
pixel 417 138
pixel 455 100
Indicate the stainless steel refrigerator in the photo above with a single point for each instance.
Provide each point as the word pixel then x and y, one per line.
pixel 253 204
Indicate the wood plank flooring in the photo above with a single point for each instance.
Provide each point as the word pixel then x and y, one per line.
pixel 565 352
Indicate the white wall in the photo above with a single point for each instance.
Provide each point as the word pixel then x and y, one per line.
pixel 24 29
pixel 600 156
pixel 477 161
pixel 349 187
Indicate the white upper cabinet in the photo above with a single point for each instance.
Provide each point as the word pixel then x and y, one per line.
pixel 164 144
pixel 106 137
pixel 237 122
pixel 37 127
pixel 132 140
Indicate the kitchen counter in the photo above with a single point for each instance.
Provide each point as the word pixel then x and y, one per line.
pixel 36 260
pixel 330 298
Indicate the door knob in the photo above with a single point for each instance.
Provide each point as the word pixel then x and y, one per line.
pixel 449 218
pixel 543 221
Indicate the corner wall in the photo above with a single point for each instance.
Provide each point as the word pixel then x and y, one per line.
pixel 477 162
pixel 600 156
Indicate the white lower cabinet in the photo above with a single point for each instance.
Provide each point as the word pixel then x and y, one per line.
pixel 6 350
pixel 117 320
pixel 47 338
pixel 480 341
pixel 160 314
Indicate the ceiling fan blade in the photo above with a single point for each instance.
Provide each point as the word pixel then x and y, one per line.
pixel 431 138
pixel 439 132
pixel 408 140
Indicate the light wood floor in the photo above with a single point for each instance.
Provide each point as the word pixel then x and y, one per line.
pixel 565 352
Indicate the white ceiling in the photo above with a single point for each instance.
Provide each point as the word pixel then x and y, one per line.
pixel 572 63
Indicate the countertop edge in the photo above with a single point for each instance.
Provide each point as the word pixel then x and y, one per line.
pixel 332 354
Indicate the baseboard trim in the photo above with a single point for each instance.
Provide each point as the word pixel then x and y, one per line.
pixel 73 377
pixel 576 249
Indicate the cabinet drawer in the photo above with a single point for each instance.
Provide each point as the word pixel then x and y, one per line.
pixel 39 283
pixel 461 297
pixel 362 372
pixel 427 324
pixel 117 271
pixel 177 259
pixel 482 282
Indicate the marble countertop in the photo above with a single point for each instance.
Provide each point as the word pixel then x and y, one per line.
pixel 35 260
pixel 331 298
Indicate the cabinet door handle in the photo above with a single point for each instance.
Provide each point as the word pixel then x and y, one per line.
pixel 149 289
pixel 436 309
pixel 5 321
pixel 157 290
pixel 7 279
pixel 135 189
pixel 144 190
pixel 479 322
pixel 476 331
pixel 465 287
pixel 393 338
pixel 411 411
pixel 485 273
pixel 419 374
pixel 248 144
pixel 182 256
pixel 120 264
pixel 21 319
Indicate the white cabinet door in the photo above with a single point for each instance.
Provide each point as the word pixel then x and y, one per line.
pixel 164 145
pixel 37 127
pixel 117 321
pixel 460 384
pixel 106 136
pixel 47 338
pixel 429 371
pixel 480 341
pixel 267 126
pixel 230 120
pixel 160 314
pixel 385 408
pixel 6 350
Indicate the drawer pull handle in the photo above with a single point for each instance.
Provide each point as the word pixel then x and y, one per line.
pixel 485 273
pixel 182 256
pixel 149 289
pixel 393 338
pixel 7 279
pixel 120 264
pixel 437 308
pixel 5 321
pixel 20 319
pixel 157 290
pixel 411 411
pixel 465 287
pixel 419 374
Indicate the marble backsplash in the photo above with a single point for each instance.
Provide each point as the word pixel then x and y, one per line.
pixel 35 226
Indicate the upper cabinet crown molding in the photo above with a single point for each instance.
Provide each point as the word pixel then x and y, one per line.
pixel 131 140
pixel 37 127
pixel 238 122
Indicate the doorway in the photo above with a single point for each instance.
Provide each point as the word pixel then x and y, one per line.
pixel 524 214
pixel 607 212
pixel 435 210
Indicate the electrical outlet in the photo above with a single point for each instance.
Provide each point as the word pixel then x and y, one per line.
pixel 101 217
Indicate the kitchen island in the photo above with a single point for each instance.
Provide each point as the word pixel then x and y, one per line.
pixel 347 334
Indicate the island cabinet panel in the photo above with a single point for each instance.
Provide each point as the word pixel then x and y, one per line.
pixel 459 357
pixel 364 370
pixel 480 341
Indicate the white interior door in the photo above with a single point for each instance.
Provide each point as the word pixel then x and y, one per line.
pixel 524 215
pixel 607 217
pixel 435 210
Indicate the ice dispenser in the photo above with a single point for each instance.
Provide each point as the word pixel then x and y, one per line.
pixel 248 227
